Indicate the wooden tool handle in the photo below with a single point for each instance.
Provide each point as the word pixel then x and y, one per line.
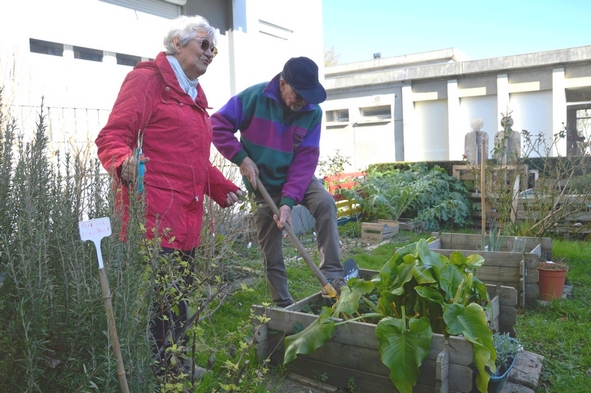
pixel 321 278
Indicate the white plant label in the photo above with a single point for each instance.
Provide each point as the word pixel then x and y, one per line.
pixel 95 230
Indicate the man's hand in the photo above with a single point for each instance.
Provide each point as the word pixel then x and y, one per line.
pixel 249 169
pixel 285 212
pixel 129 168
pixel 233 198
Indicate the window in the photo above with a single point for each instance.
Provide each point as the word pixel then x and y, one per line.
pixel 337 116
pixel 169 9
pixel 376 113
pixel 127 60
pixel 88 54
pixel 46 47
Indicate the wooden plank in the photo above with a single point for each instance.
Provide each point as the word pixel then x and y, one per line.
pixel 370 382
pixel 465 241
pixel 347 208
pixel 350 356
pixel 442 366
pixel 498 274
pixel 460 350
pixel 537 250
pixel 377 231
pixel 507 295
pixel 508 316
pixel 493 316
pixel 435 244
pixel 340 376
pixel 312 383
pixel 461 378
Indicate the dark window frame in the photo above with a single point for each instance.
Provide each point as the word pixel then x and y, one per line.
pixel 89 54
pixel 46 47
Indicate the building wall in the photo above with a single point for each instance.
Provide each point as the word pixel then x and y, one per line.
pixel 255 41
pixel 436 97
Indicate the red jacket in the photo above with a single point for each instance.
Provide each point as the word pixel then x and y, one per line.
pixel 176 138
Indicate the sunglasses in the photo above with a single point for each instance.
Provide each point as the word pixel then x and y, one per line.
pixel 204 44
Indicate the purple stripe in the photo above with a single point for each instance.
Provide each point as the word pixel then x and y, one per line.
pixel 282 139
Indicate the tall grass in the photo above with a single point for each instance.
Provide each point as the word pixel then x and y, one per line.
pixel 53 326
pixel 54 335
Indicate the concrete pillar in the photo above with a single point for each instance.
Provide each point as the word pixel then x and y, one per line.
pixel 110 58
pixel 408 113
pixel 455 132
pixel 68 51
pixel 558 109
pixel 503 100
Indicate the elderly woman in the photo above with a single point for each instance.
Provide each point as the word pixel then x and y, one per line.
pixel 161 110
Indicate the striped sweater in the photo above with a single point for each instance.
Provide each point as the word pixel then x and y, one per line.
pixel 283 144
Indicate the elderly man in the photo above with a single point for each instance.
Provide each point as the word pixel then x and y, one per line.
pixel 279 123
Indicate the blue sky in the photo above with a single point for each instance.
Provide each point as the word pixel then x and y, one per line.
pixel 479 28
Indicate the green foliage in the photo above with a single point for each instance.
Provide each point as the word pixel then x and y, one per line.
pixel 429 195
pixel 559 330
pixel 419 292
pixel 561 193
pixel 333 165
pixel 507 348
pixel 495 240
pixel 54 328
pixel 351 229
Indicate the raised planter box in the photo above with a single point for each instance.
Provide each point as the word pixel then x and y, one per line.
pixel 352 352
pixel 378 231
pixel 505 267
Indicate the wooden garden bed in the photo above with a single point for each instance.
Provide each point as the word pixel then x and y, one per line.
pixel 352 353
pixel 514 269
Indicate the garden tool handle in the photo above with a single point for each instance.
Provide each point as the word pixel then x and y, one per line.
pixel 321 278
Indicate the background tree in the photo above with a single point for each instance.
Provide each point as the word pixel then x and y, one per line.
pixel 331 57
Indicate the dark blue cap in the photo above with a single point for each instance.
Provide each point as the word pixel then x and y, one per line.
pixel 301 73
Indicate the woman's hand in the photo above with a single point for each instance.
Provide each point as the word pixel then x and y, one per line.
pixel 129 168
pixel 233 197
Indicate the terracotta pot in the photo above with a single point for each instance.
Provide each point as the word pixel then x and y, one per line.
pixel 551 281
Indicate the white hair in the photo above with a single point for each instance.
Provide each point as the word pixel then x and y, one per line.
pixel 186 28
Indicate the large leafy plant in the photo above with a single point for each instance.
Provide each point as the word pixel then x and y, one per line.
pixel 430 195
pixel 419 292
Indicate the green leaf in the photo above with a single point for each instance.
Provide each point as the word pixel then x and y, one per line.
pixel 311 338
pixel 403 350
pixel 424 275
pixel 431 294
pixel 471 322
pixel 388 273
pixel 429 257
pixel 451 279
pixel 348 302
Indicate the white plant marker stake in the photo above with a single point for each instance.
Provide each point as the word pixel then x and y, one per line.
pixel 95 230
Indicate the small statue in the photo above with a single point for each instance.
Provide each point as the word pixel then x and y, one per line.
pixel 507 141
pixel 473 150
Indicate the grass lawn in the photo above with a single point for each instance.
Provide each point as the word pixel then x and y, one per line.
pixel 558 330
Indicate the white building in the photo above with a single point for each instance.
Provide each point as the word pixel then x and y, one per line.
pixel 419 107
pixel 75 53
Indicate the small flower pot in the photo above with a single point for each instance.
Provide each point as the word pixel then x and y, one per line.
pixel 497 382
pixel 551 281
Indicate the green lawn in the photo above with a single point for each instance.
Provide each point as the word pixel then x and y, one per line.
pixel 559 330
